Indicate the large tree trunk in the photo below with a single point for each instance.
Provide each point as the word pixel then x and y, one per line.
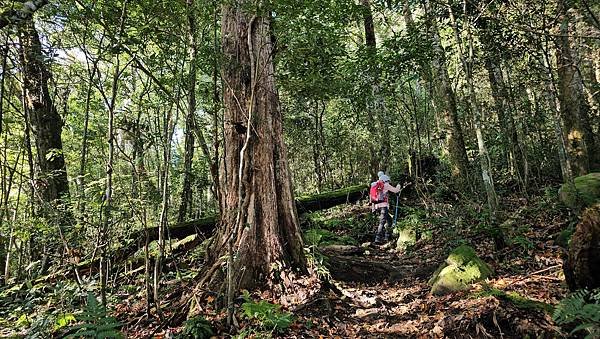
pixel 446 107
pixel 573 106
pixel 51 177
pixel 259 222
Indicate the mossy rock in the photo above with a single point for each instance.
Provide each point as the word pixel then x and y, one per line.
pixel 407 237
pixel 462 268
pixel 585 193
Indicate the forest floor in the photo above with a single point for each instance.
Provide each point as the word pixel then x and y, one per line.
pixel 379 292
pixel 368 291
pixel 517 301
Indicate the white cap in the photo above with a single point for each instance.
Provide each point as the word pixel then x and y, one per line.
pixel 384 178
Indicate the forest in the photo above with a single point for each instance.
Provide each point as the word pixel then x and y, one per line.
pixel 299 169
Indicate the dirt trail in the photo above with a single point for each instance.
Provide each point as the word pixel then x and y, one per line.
pixel 377 293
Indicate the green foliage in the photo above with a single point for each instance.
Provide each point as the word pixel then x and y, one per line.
pixel 519 237
pixel 317 261
pixel 64 320
pixel 580 309
pixel 197 328
pixel 522 242
pixel 353 227
pixel 318 236
pixel 313 237
pixel 564 237
pixel 40 309
pixel 269 316
pixel 414 219
pixel 95 322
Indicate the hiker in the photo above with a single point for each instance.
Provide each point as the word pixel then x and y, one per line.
pixel 379 202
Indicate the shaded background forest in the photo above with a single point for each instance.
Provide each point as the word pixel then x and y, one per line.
pixel 112 110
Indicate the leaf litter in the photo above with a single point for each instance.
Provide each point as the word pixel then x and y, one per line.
pixel 515 302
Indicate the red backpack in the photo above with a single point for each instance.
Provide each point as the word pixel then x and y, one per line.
pixel 376 192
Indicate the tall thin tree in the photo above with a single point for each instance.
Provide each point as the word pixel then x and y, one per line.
pixel 186 190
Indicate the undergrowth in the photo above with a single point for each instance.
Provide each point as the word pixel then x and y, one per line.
pixel 95 323
pixel 267 316
pixel 582 310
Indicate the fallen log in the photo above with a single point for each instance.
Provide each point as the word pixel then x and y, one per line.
pixel 204 227
pixel 330 199
pixel 305 204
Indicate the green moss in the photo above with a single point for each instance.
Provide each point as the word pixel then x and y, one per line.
pixel 516 299
pixel 461 255
pixel 331 194
pixel 208 220
pixel 406 237
pixel 585 193
pixel 462 268
pixel 319 236
pixel 563 238
pixel 179 243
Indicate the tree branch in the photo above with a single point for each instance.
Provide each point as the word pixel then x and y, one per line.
pixel 16 15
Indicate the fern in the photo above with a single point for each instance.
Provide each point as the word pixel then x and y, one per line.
pixel 95 322
pixel 581 309
pixel 197 328
pixel 269 315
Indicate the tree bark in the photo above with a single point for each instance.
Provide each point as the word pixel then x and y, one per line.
pixel 446 107
pixel 2 79
pixel 51 177
pixel 573 106
pixel 24 13
pixel 258 219
pixel 317 146
pixel 554 104
pixel 375 104
pixel 515 157
pixel 186 190
pixel 484 159
pixel 581 267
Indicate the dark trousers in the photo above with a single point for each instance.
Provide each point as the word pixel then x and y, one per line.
pixel 383 231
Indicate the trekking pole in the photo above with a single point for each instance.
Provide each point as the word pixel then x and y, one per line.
pixel 398 197
pixel 396 212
